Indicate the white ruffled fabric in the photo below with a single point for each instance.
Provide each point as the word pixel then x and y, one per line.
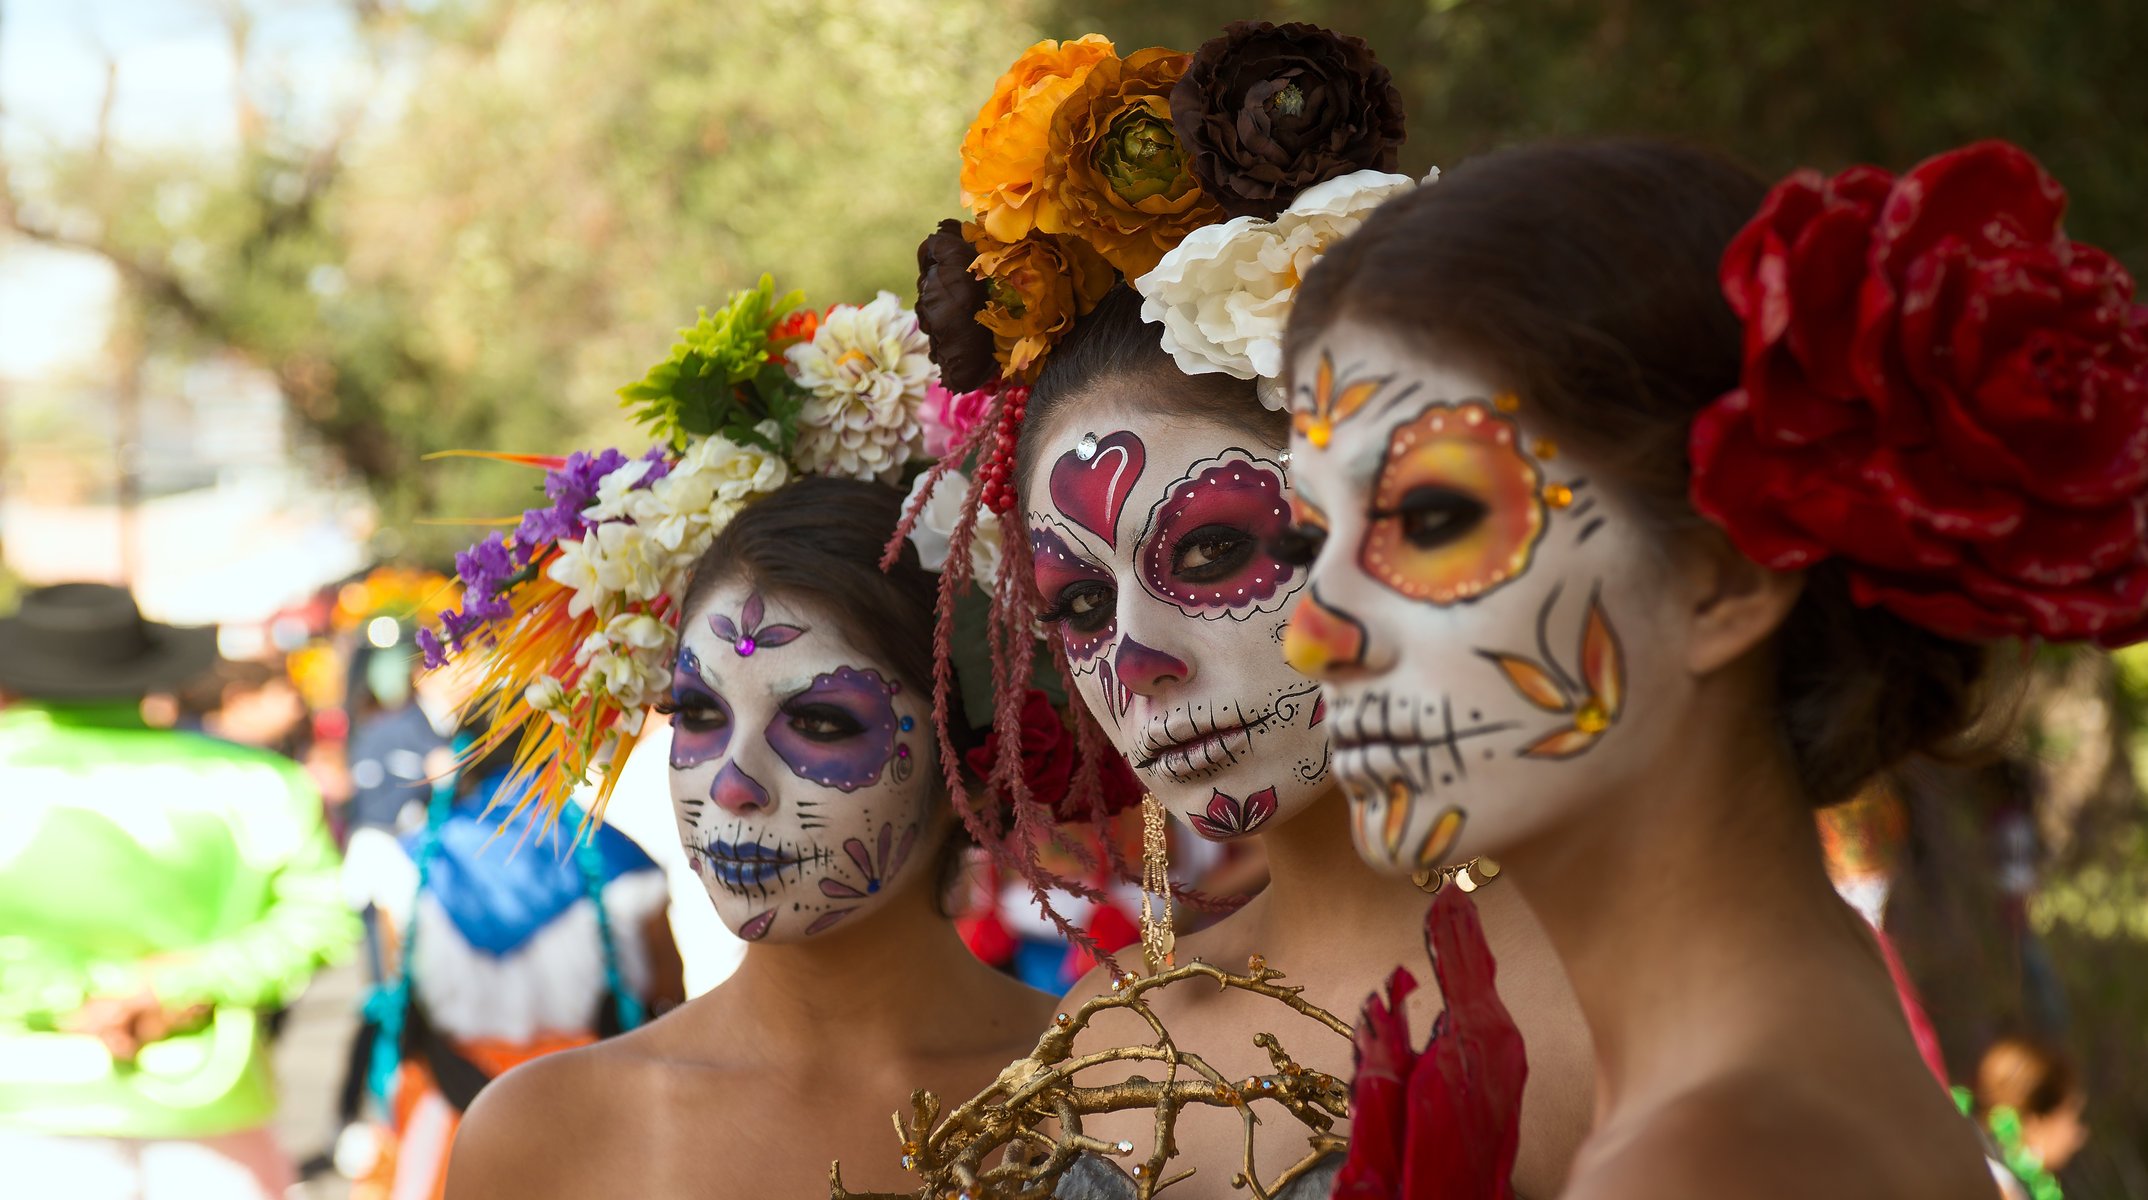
pixel 549 984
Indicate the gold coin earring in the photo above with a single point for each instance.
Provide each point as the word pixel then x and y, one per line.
pixel 1469 876
pixel 1157 936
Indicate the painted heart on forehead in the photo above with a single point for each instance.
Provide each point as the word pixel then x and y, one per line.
pixel 1242 497
pixel 1090 483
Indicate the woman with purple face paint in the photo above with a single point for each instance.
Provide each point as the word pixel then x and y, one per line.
pixel 1642 509
pixel 805 778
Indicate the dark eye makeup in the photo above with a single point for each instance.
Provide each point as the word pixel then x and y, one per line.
pixel 1085 606
pixel 1433 516
pixel 1299 545
pixel 1210 553
pixel 822 722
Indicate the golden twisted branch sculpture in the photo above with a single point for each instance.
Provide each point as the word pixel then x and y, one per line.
pixel 1034 1109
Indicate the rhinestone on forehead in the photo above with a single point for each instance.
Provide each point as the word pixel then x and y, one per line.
pixel 1085 449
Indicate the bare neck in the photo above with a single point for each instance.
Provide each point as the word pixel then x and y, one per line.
pixel 901 980
pixel 1320 891
pixel 1693 914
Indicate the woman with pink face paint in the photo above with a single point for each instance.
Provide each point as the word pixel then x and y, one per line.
pixel 1153 499
pixel 1672 507
pixel 805 778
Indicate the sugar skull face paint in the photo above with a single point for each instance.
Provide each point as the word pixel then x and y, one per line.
pixel 794 771
pixel 1472 605
pixel 1160 580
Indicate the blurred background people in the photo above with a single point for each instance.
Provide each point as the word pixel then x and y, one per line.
pixel 503 945
pixel 158 891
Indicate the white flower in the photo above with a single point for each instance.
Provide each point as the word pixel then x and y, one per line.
pixel 637 631
pixel 867 369
pixel 1224 294
pixel 617 492
pixel 576 570
pixel 545 694
pixel 631 679
pixel 630 563
pixel 934 529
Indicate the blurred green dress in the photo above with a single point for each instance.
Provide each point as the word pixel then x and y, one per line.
pixel 132 857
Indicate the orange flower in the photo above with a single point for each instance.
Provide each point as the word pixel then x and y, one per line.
pixel 1122 180
pixel 1004 153
pixel 1035 288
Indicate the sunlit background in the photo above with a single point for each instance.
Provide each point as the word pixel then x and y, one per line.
pixel 259 258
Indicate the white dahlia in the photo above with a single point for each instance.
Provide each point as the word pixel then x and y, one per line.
pixel 933 533
pixel 1224 294
pixel 867 369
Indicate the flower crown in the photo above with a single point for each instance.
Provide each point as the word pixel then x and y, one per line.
pixel 1943 394
pixel 574 614
pixel 1211 181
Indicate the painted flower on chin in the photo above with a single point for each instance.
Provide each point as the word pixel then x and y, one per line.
pixel 1229 817
pixel 1444 1123
pixel 1036 288
pixel 867 369
pixel 1004 154
pixel 1122 179
pixel 1224 294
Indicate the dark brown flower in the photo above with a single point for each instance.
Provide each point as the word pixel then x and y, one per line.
pixel 949 298
pixel 1270 110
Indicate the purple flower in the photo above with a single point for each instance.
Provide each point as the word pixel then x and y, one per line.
pixel 659 460
pixel 435 653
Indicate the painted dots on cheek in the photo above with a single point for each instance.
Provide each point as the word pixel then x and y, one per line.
pixel 1466 448
pixel 852 762
pixel 1233 490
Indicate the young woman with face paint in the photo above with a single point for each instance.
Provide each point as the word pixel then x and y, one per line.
pixel 1533 646
pixel 1153 499
pixel 805 778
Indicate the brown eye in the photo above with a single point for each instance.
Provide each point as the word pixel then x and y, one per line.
pixel 1085 607
pixel 1210 553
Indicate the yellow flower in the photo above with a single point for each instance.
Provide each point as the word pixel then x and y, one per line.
pixel 1121 179
pixel 1005 152
pixel 1035 289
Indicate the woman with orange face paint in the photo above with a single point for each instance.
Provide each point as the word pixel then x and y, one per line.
pixel 1693 505
pixel 1147 471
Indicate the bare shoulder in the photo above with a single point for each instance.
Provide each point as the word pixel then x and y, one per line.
pixel 1776 1139
pixel 560 1125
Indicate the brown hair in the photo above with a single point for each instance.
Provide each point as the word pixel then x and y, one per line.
pixel 1113 344
pixel 1585 275
pixel 2028 1075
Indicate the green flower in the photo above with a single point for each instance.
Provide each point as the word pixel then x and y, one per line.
pixel 720 376
pixel 1140 155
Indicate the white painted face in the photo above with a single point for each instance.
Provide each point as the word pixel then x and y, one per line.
pixel 1150 537
pixel 1475 607
pixel 801 770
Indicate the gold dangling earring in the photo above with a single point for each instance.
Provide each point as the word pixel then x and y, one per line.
pixel 1469 876
pixel 1157 936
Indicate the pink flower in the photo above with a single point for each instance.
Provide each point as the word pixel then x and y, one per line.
pixel 949 416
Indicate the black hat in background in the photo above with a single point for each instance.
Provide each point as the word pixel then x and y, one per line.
pixel 88 641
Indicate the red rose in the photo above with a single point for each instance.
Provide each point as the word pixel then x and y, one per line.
pixel 1443 1124
pixel 1945 393
pixel 1047 752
